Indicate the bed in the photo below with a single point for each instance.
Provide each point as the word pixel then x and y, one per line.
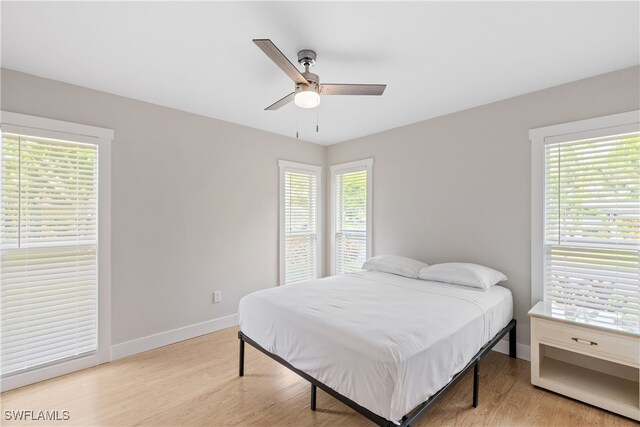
pixel 386 345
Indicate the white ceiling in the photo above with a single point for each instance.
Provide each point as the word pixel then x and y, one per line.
pixel 436 58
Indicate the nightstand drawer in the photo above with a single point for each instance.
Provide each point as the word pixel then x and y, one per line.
pixel 605 345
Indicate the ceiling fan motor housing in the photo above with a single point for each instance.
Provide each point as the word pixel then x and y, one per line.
pixel 313 86
pixel 307 58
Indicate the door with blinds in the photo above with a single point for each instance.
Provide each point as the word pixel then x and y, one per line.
pixel 351 216
pixel 49 263
pixel 300 219
pixel 592 223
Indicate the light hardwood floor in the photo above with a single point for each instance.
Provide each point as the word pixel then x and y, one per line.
pixel 196 383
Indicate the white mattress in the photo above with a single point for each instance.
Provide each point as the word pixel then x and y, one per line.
pixel 384 341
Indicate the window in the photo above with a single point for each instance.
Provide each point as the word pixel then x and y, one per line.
pixel 351 216
pixel 299 222
pixel 49 232
pixel 587 218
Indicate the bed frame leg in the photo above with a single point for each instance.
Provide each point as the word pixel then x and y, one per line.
pixel 512 342
pixel 241 361
pixel 313 397
pixel 476 381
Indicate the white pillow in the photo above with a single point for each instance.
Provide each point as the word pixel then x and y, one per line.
pixel 465 274
pixel 394 264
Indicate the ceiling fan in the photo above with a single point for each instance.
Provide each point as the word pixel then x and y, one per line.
pixel 308 88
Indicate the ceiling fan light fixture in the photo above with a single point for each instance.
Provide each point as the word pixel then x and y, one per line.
pixel 307 91
pixel 307 99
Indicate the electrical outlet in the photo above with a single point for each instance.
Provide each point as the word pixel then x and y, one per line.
pixel 217 297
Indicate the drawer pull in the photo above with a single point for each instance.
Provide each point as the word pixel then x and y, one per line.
pixel 584 341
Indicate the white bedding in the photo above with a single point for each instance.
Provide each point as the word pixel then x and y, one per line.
pixel 384 341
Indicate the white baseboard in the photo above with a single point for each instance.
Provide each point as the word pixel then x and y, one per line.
pixel 46 372
pixel 150 342
pixel 523 351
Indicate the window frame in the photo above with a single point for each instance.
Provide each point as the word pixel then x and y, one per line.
pixel 284 166
pixel 540 137
pixel 367 165
pixel 24 124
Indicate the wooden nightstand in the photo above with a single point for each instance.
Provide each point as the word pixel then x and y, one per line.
pixel 590 357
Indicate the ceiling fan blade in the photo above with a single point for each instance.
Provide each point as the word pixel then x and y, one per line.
pixel 349 89
pixel 281 61
pixel 282 102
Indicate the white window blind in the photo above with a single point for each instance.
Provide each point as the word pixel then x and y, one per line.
pixel 351 199
pixel 48 252
pixel 300 210
pixel 592 223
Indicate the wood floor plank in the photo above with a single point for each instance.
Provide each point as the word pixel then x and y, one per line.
pixel 195 383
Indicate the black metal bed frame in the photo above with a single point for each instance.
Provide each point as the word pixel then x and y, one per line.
pixel 417 412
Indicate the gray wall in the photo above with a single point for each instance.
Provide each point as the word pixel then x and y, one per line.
pixel 457 187
pixel 195 203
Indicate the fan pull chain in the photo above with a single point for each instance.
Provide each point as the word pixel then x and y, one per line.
pixel 297 123
pixel 317 114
